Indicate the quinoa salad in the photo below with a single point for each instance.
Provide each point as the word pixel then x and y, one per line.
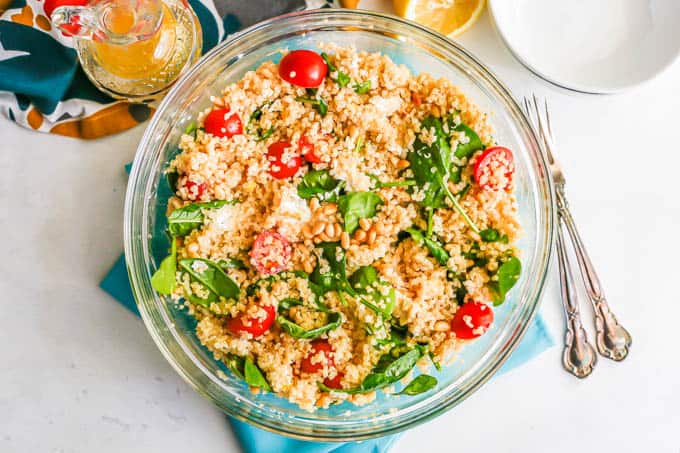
pixel 338 223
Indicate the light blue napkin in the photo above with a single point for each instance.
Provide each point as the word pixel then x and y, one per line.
pixel 254 440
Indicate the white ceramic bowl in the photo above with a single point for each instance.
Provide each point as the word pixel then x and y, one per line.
pixel 593 46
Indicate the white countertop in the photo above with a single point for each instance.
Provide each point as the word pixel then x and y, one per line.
pixel 80 373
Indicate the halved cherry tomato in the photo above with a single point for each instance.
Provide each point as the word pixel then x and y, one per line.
pixel 472 320
pixel 256 326
pixel 279 168
pixel 303 68
pixel 270 253
pixel 220 124
pixel 307 150
pixel 335 382
pixel 494 168
pixel 195 189
pixel 326 350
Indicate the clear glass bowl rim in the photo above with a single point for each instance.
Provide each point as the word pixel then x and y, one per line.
pixel 140 192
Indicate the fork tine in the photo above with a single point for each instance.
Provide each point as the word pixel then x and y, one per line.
pixel 544 131
pixel 547 116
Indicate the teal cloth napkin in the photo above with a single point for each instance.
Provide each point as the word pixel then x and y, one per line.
pixel 254 440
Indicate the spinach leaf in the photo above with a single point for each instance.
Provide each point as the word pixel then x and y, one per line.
pixel 431 167
pixel 318 103
pixel 390 368
pixel 231 263
pixel 377 184
pixel 320 184
pixel 493 235
pixel 211 276
pixel 184 220
pixel 191 129
pixel 436 364
pixel 342 79
pixel 296 331
pixel 164 279
pixel 508 273
pixel 434 247
pixel 253 375
pixel 362 87
pixel 364 282
pixel 336 278
pixel 236 364
pixel 473 144
pixel 420 384
pixel 357 205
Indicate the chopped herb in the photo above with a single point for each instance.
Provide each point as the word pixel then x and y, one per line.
pixel 359 146
pixel 379 185
pixel 257 131
pixel 342 78
pixel 362 87
pixel 318 103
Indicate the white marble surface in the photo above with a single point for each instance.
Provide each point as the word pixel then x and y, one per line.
pixel 80 374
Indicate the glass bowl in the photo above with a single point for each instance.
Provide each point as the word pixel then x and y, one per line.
pixel 146 244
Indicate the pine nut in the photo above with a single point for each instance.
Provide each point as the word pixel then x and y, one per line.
pixel 324 237
pixel 371 237
pixel 441 326
pixel 330 230
pixel 314 204
pixel 192 248
pixel 318 228
pixel 307 231
pixel 317 240
pixel 360 235
pixel 308 267
pixel 330 209
pixel 403 163
pixel 379 227
pixel 365 224
pixel 344 240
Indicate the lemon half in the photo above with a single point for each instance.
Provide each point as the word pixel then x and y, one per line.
pixel 448 17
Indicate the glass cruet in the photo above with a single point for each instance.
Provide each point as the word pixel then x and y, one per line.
pixel 132 49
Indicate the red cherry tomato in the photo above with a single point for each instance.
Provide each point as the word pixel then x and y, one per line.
pixel 472 320
pixel 270 253
pixel 307 150
pixel 303 68
pixel 278 167
pixel 335 382
pixel 220 124
pixel 255 325
pixel 195 189
pixel 313 363
pixel 494 168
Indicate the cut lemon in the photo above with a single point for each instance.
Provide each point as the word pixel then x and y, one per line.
pixel 448 17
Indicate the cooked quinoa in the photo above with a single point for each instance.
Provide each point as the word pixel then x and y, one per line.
pixel 313 242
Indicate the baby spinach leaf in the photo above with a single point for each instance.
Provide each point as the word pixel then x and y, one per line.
pixel 256 131
pixel 508 273
pixel 434 361
pixel 296 331
pixel 253 375
pixel 390 368
pixel 420 384
pixel 342 78
pixel 184 220
pixel 320 184
pixel 377 184
pixel 336 278
pixel 164 279
pixel 236 364
pixel 364 282
pixel 493 235
pixel 318 103
pixel 231 263
pixel 362 87
pixel 357 205
pixel 211 275
pixel 473 144
pixel 434 247
pixel 431 167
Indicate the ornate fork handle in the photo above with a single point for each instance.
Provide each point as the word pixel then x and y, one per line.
pixel 613 340
pixel 579 357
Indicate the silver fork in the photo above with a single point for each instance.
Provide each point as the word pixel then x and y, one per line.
pixel 613 341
